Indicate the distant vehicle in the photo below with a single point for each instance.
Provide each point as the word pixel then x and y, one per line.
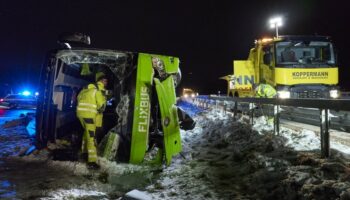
pixel 13 101
pixel 188 93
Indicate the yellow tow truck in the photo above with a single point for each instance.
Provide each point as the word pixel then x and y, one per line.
pixel 297 66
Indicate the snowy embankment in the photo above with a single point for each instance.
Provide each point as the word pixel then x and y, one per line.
pixel 232 160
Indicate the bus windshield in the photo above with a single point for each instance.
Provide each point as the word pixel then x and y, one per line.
pixel 312 53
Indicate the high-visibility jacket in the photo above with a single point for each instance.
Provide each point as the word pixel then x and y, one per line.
pixel 85 70
pixel 265 91
pixel 91 101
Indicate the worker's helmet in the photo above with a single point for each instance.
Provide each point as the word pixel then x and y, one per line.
pixel 100 76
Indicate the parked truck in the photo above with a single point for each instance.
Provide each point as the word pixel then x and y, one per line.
pixel 141 107
pixel 297 66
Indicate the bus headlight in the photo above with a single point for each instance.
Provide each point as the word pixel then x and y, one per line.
pixel 283 94
pixel 334 93
pixel 193 95
pixel 186 95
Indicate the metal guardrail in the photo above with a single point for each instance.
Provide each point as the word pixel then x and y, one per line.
pixel 324 106
pixel 340 120
pixel 345 95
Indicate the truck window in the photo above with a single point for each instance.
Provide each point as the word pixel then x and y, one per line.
pixel 305 52
pixel 268 55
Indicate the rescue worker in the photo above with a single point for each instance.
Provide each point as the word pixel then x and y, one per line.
pixel 91 104
pixel 265 91
pixel 85 70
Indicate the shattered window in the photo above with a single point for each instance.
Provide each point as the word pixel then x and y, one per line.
pixel 81 61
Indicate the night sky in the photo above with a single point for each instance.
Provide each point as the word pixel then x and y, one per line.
pixel 206 35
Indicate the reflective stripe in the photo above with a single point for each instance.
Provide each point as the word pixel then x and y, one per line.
pixel 94 93
pixel 87 104
pixel 87 109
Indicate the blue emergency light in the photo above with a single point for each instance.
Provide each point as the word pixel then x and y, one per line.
pixel 26 93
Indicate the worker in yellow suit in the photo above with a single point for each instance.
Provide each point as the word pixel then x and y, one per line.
pixel 91 104
pixel 265 91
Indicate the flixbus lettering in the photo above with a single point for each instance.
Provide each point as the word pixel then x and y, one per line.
pixel 144 110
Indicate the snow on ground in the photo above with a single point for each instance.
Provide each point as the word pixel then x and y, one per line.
pixel 305 140
pixel 76 194
pixel 301 141
pixel 232 160
pixel 37 176
pixel 13 140
pixel 221 159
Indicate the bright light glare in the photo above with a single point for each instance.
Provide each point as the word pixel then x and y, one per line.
pixel 276 21
pixel 37 93
pixel 266 40
pixel 334 93
pixel 186 95
pixel 283 94
pixel 26 93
